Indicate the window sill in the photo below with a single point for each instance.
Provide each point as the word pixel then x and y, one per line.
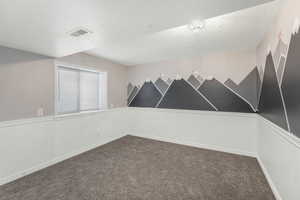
pixel 79 113
pixel 83 113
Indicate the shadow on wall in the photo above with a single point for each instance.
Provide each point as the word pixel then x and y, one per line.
pixel 14 56
pixel 26 85
pixel 276 97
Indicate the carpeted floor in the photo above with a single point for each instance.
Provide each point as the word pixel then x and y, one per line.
pixel 133 168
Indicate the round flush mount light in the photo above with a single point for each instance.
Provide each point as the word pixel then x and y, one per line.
pixel 197 25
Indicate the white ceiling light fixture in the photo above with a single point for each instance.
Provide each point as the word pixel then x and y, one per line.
pixel 197 25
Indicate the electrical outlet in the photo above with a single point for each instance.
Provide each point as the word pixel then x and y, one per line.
pixel 40 112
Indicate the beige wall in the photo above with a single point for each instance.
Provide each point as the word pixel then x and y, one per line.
pixel 27 82
pixel 116 74
pixel 234 65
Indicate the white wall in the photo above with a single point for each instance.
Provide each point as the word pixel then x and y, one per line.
pixel 222 65
pixel 279 153
pixel 29 145
pixel 231 132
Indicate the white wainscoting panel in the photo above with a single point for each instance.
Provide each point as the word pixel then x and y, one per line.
pixel 29 145
pixel 228 132
pixel 279 157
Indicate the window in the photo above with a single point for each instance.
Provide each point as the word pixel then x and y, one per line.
pixel 80 90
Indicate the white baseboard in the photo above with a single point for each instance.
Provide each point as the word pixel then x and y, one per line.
pixel 269 179
pixel 41 166
pixel 199 145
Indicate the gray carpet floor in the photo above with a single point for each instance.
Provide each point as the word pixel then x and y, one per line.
pixel 133 168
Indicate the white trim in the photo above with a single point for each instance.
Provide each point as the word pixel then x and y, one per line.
pixel 281 77
pixel 19 122
pixel 199 145
pixel 195 112
pixel 139 89
pixel 164 94
pixel 77 68
pixel 284 134
pixel 53 117
pixel 157 88
pixel 280 82
pixel 128 94
pixel 243 98
pixel 269 179
pixel 284 107
pixel 280 91
pixel 52 162
pixel 200 82
pixel 261 84
pixel 203 96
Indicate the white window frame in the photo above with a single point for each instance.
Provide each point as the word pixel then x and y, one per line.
pixel 102 95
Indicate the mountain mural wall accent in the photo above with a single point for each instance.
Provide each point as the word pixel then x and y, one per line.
pixel 195 81
pixel 276 97
pixel 231 96
pixel 129 89
pixel 181 95
pixel 281 50
pixel 147 96
pixel 291 83
pixel 280 69
pixel 223 98
pixel 271 103
pixel 249 87
pixel 131 93
pixel 161 85
pixel 231 84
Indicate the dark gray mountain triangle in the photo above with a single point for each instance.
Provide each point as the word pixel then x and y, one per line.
pixel 280 69
pixel 291 83
pixel 200 78
pixel 223 98
pixel 181 95
pixel 249 87
pixel 231 84
pixel 194 81
pixel 169 81
pixel 161 85
pixel 281 49
pixel 271 105
pixel 148 96
pixel 132 94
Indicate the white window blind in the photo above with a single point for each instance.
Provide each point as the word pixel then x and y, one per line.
pixel 80 90
pixel 68 84
pixel 89 91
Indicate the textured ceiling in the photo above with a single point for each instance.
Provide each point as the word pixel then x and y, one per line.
pixel 133 31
